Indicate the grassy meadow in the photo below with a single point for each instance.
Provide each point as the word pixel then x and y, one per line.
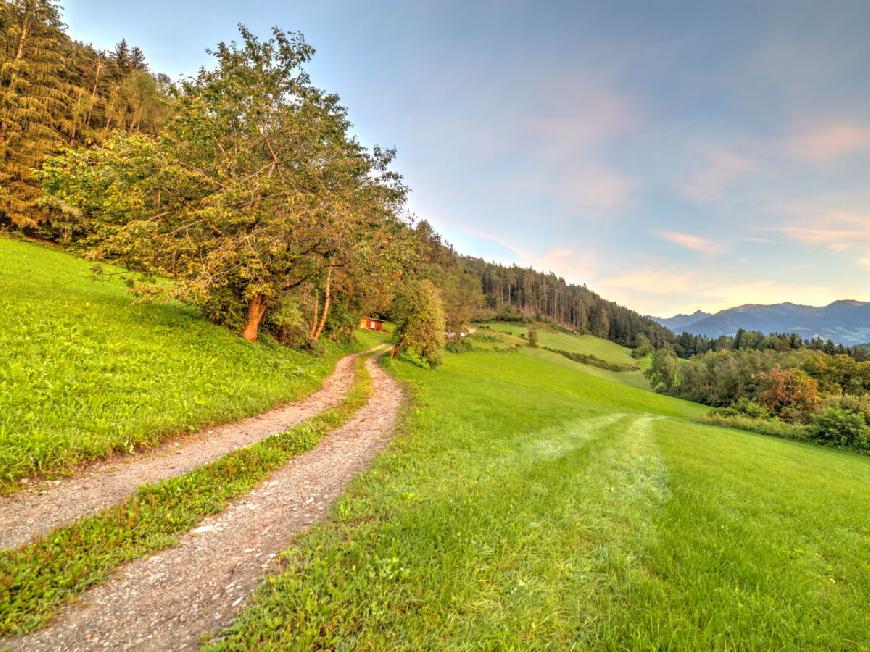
pixel 587 344
pixel 86 370
pixel 529 504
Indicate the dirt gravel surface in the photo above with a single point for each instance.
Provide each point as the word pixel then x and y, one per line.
pixel 170 600
pixel 49 505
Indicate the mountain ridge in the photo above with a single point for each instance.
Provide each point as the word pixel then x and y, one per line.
pixel 844 321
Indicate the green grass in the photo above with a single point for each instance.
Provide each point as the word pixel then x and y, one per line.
pixel 85 370
pixel 39 577
pixel 585 344
pixel 533 505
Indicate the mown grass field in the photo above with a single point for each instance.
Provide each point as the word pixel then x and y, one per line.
pixel 533 505
pixel 85 370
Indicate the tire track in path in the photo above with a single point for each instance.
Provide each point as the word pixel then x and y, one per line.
pixel 45 507
pixel 170 600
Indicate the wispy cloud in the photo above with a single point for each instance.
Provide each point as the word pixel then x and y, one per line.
pixel 835 232
pixel 692 242
pixel 569 137
pixel 574 266
pixel 828 142
pixel 721 166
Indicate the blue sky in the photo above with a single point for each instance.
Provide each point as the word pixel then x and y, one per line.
pixel 672 156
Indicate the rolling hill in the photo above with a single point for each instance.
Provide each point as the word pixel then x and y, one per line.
pixel 845 321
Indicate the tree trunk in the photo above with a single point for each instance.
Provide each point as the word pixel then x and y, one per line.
pixel 326 301
pixel 94 93
pixel 314 317
pixel 256 308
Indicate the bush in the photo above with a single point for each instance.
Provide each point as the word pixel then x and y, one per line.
pixel 730 418
pixel 751 409
pixel 844 428
pixel 533 337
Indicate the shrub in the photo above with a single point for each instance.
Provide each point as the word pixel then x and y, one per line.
pixel 750 408
pixel 789 393
pixel 533 337
pixel 774 427
pixel 838 427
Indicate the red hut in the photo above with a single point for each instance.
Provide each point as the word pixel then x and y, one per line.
pixel 372 324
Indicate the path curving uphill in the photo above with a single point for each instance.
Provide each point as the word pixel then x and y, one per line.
pixel 170 600
pixel 49 505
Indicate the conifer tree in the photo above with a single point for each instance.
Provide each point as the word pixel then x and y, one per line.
pixel 33 102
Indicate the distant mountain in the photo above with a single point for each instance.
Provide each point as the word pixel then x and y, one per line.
pixel 845 322
pixel 678 323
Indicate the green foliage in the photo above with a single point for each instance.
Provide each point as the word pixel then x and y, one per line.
pixel 592 522
pixel 254 191
pixel 642 346
pixel 420 322
pixel 843 428
pixel 95 372
pixel 662 372
pixel 39 577
pixel 770 426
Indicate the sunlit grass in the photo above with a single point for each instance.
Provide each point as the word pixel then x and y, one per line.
pixel 85 370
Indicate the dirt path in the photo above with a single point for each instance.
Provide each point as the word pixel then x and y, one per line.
pixel 168 601
pixel 49 505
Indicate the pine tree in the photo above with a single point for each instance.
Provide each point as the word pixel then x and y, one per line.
pixel 33 102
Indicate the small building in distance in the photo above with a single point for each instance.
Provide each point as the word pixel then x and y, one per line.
pixel 372 324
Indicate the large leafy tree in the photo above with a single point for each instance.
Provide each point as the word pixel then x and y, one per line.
pixel 254 191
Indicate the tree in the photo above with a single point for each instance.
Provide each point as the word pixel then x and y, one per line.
pixel 254 191
pixel 32 113
pixel 788 393
pixel 462 297
pixel 662 372
pixel 642 346
pixel 420 322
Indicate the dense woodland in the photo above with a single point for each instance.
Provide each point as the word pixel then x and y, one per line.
pixel 56 92
pixel 795 392
pixel 517 293
pixel 687 345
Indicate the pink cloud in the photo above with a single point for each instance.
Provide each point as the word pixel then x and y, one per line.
pixel 830 142
pixel 834 231
pixel 691 242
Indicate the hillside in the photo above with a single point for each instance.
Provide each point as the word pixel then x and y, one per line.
pixel 96 372
pixel 844 322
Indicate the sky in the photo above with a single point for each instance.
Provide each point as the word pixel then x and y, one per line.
pixel 671 156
